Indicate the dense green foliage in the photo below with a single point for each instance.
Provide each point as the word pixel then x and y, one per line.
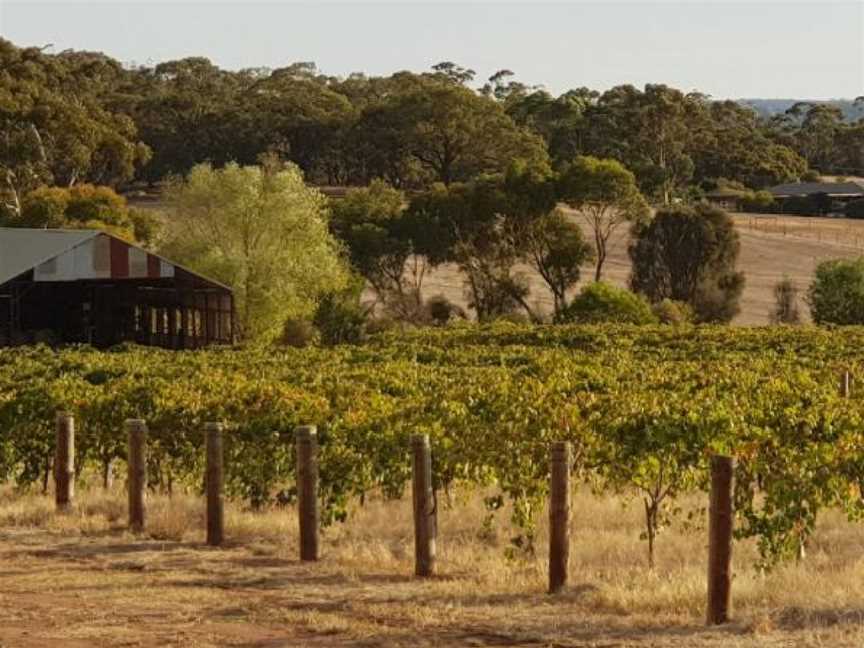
pixel 262 231
pixel 83 206
pixel 83 116
pixel 689 254
pixel 644 407
pixel 836 295
pixel 600 302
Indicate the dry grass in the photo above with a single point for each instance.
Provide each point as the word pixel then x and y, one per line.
pixel 82 579
pixel 772 247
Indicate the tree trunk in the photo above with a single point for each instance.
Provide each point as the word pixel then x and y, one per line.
pixel 651 510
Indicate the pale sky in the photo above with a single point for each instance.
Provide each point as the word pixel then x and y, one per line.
pixel 774 49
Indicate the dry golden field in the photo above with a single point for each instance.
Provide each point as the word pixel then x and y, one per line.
pixel 81 579
pixel 771 247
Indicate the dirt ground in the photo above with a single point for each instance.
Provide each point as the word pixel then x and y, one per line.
pixel 772 247
pixel 82 580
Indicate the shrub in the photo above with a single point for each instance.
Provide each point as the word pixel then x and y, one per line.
pixel 673 312
pixel 81 206
pixel 602 302
pixel 340 317
pixel 298 333
pixel 836 295
pixel 786 303
pixel 441 310
pixel 811 175
pixel 855 209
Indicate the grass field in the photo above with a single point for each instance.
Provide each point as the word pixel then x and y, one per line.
pixel 82 580
pixel 772 247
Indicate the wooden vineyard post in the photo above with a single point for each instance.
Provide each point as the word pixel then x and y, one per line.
pixel 559 516
pixel 424 506
pixel 215 478
pixel 845 384
pixel 64 461
pixel 136 432
pixel 307 490
pixel 720 521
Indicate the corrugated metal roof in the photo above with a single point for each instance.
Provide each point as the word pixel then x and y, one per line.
pixel 850 188
pixel 23 249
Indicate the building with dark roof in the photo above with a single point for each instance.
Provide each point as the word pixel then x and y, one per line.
pixel 849 190
pixel 86 286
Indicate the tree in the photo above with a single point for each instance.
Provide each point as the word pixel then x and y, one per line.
pixel 54 129
pixel 786 303
pixel 606 196
pixel 84 206
pixel 836 295
pixel 689 254
pixel 601 302
pixel 556 249
pixel 466 224
pixel 455 134
pixel 261 231
pixel 379 237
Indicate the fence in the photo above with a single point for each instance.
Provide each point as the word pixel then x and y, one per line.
pixel 425 513
pixel 720 512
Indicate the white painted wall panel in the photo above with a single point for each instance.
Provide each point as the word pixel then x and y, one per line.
pixel 166 270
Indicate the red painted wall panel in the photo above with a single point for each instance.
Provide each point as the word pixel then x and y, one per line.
pixel 119 259
pixel 153 265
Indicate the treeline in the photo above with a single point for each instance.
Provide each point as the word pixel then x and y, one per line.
pixel 78 117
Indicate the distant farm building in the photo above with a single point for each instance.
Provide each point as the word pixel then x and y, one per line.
pixel 825 197
pixel 85 286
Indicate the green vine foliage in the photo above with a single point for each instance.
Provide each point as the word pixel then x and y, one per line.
pixel 644 408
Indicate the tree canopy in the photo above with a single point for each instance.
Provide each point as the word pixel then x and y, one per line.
pixel 261 231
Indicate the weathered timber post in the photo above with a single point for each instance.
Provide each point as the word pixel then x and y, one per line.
pixel 720 522
pixel 845 384
pixel 425 513
pixel 559 515
pixel 64 461
pixel 306 437
pixel 136 431
pixel 215 479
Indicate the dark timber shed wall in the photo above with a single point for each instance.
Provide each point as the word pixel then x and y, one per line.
pixel 104 291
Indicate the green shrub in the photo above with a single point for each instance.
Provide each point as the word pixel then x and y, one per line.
pixel 298 333
pixel 669 311
pixel 441 310
pixel 836 295
pixel 340 318
pixel 602 302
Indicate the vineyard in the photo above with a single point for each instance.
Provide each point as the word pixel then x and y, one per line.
pixel 644 410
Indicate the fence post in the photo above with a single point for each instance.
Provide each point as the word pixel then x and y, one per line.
pixel 720 521
pixel 845 384
pixel 425 512
pixel 215 478
pixel 307 490
pixel 64 461
pixel 136 431
pixel 559 515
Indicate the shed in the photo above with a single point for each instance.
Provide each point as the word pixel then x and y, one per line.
pixel 87 286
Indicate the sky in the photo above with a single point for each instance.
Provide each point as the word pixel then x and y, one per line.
pixel 724 48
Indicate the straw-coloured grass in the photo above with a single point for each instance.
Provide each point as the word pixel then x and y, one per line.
pixel 82 579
